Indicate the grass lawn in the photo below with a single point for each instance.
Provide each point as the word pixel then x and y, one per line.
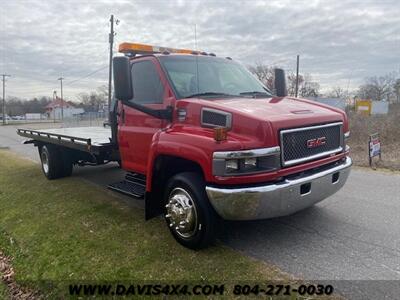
pixel 68 230
pixel 3 291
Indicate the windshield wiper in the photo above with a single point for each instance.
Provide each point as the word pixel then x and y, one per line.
pixel 210 94
pixel 255 94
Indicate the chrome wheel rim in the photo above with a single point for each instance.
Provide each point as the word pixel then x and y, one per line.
pixel 45 162
pixel 181 213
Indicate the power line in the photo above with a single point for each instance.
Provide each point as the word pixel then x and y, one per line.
pixel 39 88
pixel 86 76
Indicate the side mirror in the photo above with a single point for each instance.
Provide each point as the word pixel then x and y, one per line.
pixel 122 78
pixel 280 83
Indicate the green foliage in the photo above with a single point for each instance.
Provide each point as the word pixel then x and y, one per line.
pixel 3 291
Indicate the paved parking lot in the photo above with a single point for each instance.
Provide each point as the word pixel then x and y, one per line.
pixel 351 239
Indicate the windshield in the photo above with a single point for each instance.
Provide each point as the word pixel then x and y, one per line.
pixel 210 76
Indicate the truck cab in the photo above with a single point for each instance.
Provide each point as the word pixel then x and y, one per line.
pixel 212 142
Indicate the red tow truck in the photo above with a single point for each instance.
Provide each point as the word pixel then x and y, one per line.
pixel 201 140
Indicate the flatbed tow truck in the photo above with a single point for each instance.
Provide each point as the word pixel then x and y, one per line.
pixel 202 140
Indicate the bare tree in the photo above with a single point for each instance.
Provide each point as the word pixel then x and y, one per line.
pixel 397 90
pixel 17 106
pixel 264 73
pixel 337 92
pixel 291 82
pixel 103 90
pixel 378 87
pixel 83 98
pixel 308 88
pixel 93 101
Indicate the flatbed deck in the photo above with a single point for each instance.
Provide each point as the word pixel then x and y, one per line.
pixel 88 139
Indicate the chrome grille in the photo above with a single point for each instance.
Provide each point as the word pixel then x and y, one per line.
pixel 300 144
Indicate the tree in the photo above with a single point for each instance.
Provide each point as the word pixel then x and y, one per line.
pixel 264 73
pixel 397 90
pixel 337 92
pixel 307 87
pixel 103 90
pixel 93 101
pixel 16 106
pixel 378 87
pixel 291 83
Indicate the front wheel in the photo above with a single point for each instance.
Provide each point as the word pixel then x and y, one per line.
pixel 188 213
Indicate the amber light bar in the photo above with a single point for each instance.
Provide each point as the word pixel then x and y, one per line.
pixel 135 48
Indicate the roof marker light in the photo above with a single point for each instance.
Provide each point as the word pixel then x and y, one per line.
pixel 134 48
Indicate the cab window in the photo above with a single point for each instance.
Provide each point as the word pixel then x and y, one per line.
pixel 146 83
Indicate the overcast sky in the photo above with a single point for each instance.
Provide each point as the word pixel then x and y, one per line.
pixel 339 42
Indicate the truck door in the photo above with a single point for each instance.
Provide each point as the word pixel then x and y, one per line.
pixel 135 128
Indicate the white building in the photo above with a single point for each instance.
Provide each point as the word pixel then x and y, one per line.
pixel 59 107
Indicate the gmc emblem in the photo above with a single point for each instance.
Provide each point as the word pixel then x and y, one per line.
pixel 314 143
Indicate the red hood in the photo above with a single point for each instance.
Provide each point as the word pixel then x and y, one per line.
pixel 265 117
pixel 283 111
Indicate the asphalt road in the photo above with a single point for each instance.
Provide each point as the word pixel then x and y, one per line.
pixel 351 240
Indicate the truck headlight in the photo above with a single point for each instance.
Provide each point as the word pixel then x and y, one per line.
pixel 246 162
pixel 232 165
pixel 250 163
pixel 243 165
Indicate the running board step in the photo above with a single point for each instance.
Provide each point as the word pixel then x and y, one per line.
pixel 134 185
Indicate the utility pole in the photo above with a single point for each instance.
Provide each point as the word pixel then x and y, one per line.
pixel 62 98
pixel 111 41
pixel 4 96
pixel 195 37
pixel 54 102
pixel 297 76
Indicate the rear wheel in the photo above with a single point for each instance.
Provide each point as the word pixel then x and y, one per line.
pixel 188 213
pixel 55 164
pixel 67 165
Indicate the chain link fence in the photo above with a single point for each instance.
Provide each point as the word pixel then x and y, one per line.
pixel 91 119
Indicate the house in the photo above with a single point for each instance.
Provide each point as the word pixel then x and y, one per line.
pixel 58 108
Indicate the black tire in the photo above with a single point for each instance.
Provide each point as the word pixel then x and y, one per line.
pixel 67 165
pixel 54 163
pixel 201 233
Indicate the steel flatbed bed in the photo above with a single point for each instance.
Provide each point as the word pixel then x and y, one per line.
pixel 88 139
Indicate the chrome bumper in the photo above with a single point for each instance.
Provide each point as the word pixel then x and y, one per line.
pixel 280 199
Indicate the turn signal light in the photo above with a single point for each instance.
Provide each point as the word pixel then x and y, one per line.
pixel 220 134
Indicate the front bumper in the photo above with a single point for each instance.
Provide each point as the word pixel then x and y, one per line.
pixel 280 199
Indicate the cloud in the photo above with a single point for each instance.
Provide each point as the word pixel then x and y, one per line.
pixel 337 40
